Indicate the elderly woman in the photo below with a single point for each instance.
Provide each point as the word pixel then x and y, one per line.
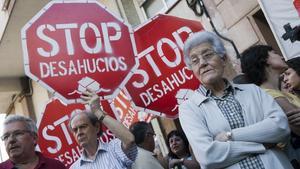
pixel 229 125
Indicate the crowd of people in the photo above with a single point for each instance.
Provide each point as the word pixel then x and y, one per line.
pixel 250 123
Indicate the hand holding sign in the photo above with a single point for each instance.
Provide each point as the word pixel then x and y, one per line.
pixel 90 97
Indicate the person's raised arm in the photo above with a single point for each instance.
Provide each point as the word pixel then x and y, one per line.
pixel 120 131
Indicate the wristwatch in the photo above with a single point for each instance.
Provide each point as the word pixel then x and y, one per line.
pixel 182 161
pixel 229 135
pixel 102 117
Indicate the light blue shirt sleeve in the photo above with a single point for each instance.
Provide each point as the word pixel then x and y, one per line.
pixel 126 159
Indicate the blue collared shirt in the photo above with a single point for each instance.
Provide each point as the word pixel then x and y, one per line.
pixel 108 156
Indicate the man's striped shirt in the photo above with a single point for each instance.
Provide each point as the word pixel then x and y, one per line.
pixel 108 156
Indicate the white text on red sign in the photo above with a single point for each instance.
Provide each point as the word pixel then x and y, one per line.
pixel 176 79
pixel 73 67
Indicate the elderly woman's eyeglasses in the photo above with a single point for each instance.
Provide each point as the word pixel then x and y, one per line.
pixel 207 56
pixel 14 134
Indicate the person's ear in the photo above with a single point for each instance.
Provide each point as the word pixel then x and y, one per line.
pixel 97 125
pixel 35 139
pixel 225 57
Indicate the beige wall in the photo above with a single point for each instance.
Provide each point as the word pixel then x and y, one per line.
pixel 4 14
pixel 236 16
pixel 131 14
pixel 231 17
pixel 40 98
pixel 11 66
pixel 8 88
pixel 112 5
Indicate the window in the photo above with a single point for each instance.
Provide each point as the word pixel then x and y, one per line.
pixel 263 30
pixel 153 7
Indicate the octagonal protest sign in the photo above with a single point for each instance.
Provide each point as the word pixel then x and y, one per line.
pixel 72 45
pixel 162 81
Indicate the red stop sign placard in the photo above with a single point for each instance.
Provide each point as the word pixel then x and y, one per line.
pixel 162 81
pixel 125 112
pixel 69 46
pixel 297 5
pixel 55 139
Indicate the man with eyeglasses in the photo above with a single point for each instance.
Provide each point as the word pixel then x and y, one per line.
pixel 228 125
pixel 119 153
pixel 144 138
pixel 20 138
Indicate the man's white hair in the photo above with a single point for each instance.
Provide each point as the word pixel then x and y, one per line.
pixel 28 122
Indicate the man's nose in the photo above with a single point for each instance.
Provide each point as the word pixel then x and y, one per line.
pixel 11 139
pixel 284 79
pixel 80 132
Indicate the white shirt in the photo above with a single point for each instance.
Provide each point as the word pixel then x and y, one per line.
pixel 145 160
